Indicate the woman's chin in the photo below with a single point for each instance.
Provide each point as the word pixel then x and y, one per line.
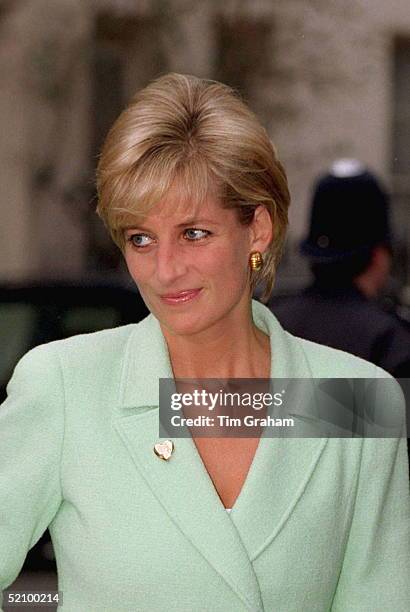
pixel 182 326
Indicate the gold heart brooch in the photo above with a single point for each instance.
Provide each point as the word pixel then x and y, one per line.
pixel 164 449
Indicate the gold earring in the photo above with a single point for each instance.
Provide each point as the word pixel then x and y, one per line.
pixel 256 261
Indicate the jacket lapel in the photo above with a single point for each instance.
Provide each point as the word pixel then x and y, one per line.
pixel 280 470
pixel 282 466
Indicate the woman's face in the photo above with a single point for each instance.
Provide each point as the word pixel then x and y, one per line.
pixel 192 270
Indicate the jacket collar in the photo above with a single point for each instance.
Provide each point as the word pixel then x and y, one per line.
pixel 146 360
pixel 273 487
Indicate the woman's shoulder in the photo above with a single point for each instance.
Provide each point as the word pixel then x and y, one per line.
pixel 325 361
pixel 380 396
pixel 92 350
pixel 88 342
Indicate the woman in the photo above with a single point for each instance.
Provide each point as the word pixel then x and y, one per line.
pixel 194 195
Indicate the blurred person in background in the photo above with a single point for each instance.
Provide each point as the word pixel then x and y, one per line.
pixel 349 248
pixel 196 198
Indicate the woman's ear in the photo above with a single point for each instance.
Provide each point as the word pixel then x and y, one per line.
pixel 261 229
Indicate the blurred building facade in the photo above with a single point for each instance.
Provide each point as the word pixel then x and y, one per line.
pixel 327 79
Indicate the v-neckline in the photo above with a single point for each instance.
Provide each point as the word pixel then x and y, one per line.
pixel 247 483
pixel 212 480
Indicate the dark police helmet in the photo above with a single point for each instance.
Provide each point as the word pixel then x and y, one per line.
pixel 349 215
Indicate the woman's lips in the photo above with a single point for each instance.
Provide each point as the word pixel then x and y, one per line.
pixel 181 297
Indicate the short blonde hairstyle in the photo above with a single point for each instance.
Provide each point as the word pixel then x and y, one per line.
pixel 200 134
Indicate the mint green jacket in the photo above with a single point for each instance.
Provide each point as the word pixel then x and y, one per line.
pixel 321 524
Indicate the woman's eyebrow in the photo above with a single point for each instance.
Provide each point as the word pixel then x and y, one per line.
pixel 196 221
pixel 193 221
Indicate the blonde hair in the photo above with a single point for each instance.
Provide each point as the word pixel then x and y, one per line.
pixel 200 134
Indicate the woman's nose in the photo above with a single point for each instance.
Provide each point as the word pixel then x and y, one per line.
pixel 170 264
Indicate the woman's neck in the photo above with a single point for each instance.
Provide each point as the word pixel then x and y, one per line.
pixel 225 354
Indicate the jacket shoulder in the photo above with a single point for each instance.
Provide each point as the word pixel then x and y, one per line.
pixel 84 344
pixel 325 361
pixel 389 405
pixel 85 351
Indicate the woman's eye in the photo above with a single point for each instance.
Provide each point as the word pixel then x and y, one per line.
pixel 196 234
pixel 139 240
